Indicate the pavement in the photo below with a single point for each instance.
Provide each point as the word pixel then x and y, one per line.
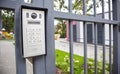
pixel 7 57
pixel 78 48
pixel 7 54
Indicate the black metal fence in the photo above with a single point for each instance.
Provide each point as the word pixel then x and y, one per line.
pixel 112 5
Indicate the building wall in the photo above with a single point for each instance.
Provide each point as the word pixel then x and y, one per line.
pixel 99 31
pixel 78 31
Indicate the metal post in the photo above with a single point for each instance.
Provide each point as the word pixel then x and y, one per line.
pixel 116 38
pixel 20 61
pixel 104 53
pixel 96 51
pixel 103 37
pixel 110 40
pixel 85 39
pixel 85 48
pixel 39 61
pixel 71 39
pixel 50 57
pixel 110 49
pixel 71 47
pixel 95 38
pixel 39 65
pixel 116 44
pixel 0 19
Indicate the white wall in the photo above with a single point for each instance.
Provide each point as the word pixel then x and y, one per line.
pixel 106 31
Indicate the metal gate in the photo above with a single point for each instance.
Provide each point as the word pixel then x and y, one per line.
pixel 113 68
pixel 42 64
pixel 46 64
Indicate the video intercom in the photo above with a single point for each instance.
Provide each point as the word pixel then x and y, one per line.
pixel 33 31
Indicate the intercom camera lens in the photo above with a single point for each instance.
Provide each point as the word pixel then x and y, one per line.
pixel 34 15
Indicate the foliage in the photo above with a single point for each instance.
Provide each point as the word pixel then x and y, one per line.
pixel 77 5
pixel 59 5
pixel 61 28
pixel 77 8
pixel 63 63
pixel 8 20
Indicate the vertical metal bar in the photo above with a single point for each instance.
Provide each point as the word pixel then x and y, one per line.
pixel 85 47
pixel 70 6
pixel 116 37
pixel 71 39
pixel 71 47
pixel 109 6
pixel 95 36
pixel 84 7
pixel 103 38
pixel 85 39
pixel 0 19
pixel 50 43
pixel 20 61
pixel 110 50
pixel 116 45
pixel 103 12
pixel 94 3
pixel 110 46
pixel 37 63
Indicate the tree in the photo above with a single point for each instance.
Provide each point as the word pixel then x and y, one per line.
pixel 77 7
pixel 61 28
pixel 59 5
pixel 8 20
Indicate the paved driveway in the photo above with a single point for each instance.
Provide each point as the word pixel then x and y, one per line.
pixel 7 54
pixel 78 49
pixel 7 57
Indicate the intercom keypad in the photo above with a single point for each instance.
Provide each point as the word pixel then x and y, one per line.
pixel 33 26
pixel 33 36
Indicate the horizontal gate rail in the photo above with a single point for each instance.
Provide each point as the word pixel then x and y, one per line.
pixel 8 4
pixel 77 17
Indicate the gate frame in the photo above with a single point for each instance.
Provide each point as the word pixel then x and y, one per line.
pixel 42 64
pixel 116 37
pixel 46 64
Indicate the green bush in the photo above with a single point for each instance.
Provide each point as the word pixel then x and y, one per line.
pixel 60 28
pixel 63 35
pixel 63 63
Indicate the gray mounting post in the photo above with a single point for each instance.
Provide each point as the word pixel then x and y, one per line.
pixel 0 19
pixel 116 37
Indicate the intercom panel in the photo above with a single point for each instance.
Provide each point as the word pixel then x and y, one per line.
pixel 33 32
